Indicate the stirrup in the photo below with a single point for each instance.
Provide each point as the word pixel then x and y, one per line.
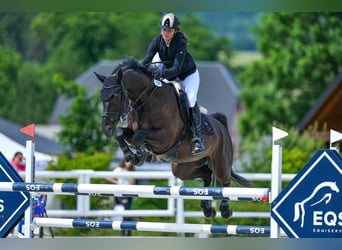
pixel 197 145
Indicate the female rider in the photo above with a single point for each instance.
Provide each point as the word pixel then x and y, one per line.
pixel 171 45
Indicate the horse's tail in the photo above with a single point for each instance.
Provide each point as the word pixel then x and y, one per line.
pixel 222 118
pixel 241 180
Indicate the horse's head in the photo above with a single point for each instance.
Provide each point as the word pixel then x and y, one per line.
pixel 135 78
pixel 129 80
pixel 114 102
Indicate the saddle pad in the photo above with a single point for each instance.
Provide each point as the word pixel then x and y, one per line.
pixel 183 105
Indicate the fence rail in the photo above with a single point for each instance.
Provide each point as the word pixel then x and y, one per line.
pixel 175 207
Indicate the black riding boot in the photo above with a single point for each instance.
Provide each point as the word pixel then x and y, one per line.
pixel 197 144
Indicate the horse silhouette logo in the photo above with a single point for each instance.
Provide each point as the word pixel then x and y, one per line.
pixel 314 198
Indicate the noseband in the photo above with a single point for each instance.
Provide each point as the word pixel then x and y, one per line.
pixel 115 114
pixel 107 94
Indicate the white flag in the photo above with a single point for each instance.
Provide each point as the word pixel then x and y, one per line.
pixel 278 134
pixel 335 136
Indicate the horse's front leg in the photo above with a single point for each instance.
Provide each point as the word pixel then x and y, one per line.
pixel 122 134
pixel 142 135
pixel 155 139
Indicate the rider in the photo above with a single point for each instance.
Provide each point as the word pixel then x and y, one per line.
pixel 171 45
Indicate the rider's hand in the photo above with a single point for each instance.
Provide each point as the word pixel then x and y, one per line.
pixel 157 74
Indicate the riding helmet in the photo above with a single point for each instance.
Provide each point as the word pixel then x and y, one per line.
pixel 169 21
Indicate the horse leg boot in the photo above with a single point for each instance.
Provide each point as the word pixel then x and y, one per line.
pixel 208 210
pixel 128 154
pixel 226 212
pixel 197 144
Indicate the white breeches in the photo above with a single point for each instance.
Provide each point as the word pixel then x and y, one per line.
pixel 191 86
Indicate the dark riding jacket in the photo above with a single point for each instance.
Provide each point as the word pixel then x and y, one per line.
pixel 175 57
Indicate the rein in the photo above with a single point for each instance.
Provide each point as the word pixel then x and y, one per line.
pixel 156 62
pixel 143 93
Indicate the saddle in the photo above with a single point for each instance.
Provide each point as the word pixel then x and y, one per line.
pixel 183 105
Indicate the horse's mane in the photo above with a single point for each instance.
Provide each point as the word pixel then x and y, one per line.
pixel 131 63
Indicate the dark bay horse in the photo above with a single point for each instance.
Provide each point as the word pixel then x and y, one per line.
pixel 155 126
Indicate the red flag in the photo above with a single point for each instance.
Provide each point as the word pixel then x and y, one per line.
pixel 29 130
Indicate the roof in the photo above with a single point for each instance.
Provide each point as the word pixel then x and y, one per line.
pixel 42 145
pixel 327 111
pixel 218 89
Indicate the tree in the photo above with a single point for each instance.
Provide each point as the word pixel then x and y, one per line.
pixel 25 89
pixel 75 41
pixel 299 61
pixel 204 43
pixel 235 25
pixel 15 33
pixel 69 43
pixel 81 126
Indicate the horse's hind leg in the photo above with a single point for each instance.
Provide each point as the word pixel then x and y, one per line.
pixel 208 210
pixel 196 170
pixel 226 212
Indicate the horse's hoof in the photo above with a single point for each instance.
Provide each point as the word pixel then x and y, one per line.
pixel 209 212
pixel 226 213
pixel 150 157
pixel 136 161
pixel 139 163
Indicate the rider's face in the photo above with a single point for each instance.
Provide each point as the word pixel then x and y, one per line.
pixel 168 34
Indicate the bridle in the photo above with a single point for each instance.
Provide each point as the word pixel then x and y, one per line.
pixel 115 116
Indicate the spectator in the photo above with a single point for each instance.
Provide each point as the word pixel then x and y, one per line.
pixel 18 162
pixel 123 203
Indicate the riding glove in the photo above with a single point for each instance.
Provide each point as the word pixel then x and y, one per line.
pixel 157 74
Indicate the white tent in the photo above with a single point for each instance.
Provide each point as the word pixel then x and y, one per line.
pixel 8 147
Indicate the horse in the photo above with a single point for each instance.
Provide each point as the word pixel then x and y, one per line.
pixel 155 125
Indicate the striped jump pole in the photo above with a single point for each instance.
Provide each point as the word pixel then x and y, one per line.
pixel 254 194
pixel 152 226
pixel 146 191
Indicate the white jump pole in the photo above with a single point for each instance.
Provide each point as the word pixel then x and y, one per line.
pixel 276 175
pixel 152 226
pixel 275 182
pixel 29 177
pixel 144 191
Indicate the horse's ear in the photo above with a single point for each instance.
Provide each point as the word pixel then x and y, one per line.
pixel 100 77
